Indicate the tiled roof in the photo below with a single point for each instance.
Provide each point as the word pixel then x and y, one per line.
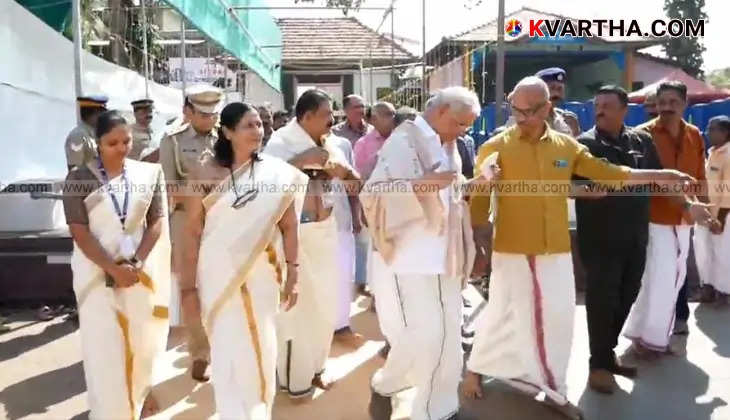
pixel 488 31
pixel 335 40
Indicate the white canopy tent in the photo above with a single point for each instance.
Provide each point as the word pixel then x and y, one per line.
pixel 37 99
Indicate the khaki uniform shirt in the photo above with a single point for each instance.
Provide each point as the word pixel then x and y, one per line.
pixel 718 177
pixel 532 210
pixel 80 145
pixel 141 142
pixel 182 149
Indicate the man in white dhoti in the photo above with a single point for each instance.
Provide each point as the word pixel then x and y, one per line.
pixel 117 215
pixel 712 246
pixel 346 209
pixel 680 146
pixel 422 254
pixel 305 333
pixel 524 336
pixel 242 243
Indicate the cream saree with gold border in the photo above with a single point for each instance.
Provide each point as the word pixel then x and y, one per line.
pixel 122 330
pixel 241 267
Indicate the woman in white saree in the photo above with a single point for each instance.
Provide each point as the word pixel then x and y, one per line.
pixel 121 271
pixel 242 240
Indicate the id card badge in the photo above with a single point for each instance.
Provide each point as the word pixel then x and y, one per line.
pixel 127 248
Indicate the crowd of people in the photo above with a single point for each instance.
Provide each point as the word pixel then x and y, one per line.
pixel 256 231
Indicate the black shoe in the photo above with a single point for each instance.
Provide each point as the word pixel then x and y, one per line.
pixel 380 407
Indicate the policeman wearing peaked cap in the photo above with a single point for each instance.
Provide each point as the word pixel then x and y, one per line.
pixel 80 146
pixel 141 130
pixel 205 98
pixel 561 120
pixel 552 74
pixel 182 150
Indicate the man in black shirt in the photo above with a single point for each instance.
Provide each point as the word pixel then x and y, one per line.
pixel 612 235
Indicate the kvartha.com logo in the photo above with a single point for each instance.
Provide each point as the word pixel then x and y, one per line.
pixel 587 28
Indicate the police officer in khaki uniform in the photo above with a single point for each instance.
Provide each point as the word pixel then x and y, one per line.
pixel 80 144
pixel 559 119
pixel 141 131
pixel 181 150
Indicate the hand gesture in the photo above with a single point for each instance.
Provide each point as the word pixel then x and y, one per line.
pixel 435 180
pixel 715 227
pixel 336 170
pixel 124 275
pixel 316 156
pixel 290 294
pixel 700 213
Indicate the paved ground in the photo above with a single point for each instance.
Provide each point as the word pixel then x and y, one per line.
pixel 41 377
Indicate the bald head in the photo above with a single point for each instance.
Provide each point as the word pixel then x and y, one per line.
pixel 530 105
pixel 532 88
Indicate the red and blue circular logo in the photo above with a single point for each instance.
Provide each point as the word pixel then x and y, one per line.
pixel 513 28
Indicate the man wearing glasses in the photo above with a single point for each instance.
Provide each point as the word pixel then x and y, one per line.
pixel 558 119
pixel 524 336
pixel 180 151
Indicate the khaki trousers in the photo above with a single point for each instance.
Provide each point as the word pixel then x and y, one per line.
pixel 197 339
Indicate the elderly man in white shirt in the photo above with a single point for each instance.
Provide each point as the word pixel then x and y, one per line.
pixel 422 253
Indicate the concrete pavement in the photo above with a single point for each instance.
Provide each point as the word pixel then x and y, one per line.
pixel 41 377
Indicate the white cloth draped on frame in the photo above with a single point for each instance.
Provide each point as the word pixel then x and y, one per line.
pixel 241 266
pixel 651 318
pixel 122 330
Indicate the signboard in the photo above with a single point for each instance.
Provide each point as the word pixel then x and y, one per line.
pixel 200 70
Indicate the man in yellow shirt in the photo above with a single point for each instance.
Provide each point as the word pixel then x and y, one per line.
pixel 524 336
pixel 712 244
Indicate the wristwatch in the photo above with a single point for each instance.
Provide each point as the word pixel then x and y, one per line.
pixel 136 262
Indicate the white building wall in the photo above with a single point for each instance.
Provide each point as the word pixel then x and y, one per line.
pixel 362 85
pixel 257 92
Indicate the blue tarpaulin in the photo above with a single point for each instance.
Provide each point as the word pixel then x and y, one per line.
pixel 698 115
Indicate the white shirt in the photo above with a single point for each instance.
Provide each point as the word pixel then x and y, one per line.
pixel 421 251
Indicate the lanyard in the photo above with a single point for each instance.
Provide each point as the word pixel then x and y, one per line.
pixel 121 211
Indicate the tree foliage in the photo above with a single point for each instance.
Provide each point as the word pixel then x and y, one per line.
pixel 687 51
pixel 719 78
pixel 346 5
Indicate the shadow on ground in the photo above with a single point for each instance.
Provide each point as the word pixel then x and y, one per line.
pixel 657 382
pixel 24 343
pixel 35 395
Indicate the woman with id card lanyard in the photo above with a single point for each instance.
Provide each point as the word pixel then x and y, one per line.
pixel 121 271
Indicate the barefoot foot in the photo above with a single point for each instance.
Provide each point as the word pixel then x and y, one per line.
pixel 471 387
pixel 321 383
pixel 150 407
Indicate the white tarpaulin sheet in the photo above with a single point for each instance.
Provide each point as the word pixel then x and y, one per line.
pixel 37 98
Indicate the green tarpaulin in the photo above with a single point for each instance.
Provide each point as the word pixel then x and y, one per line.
pixel 56 13
pixel 254 38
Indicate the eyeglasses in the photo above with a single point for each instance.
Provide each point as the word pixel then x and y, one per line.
pixel 529 112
